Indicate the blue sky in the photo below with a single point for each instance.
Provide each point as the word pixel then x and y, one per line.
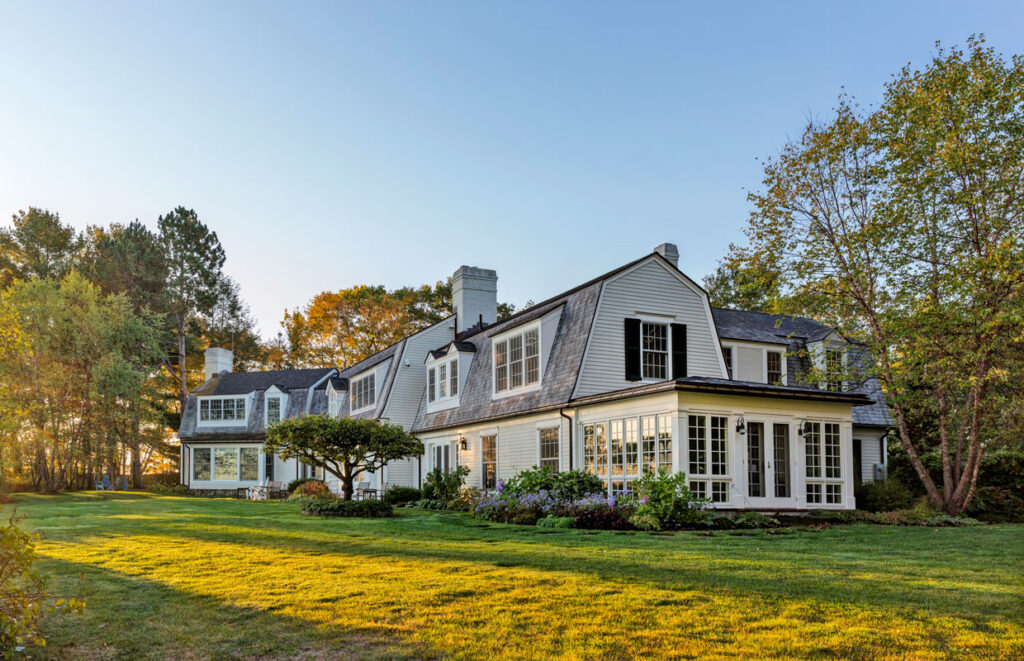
pixel 340 143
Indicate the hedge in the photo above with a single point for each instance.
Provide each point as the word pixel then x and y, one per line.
pixel 359 508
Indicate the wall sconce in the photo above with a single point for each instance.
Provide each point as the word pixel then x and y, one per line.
pixel 463 443
pixel 741 425
pixel 803 428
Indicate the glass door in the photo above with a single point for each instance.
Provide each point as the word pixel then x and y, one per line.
pixel 756 487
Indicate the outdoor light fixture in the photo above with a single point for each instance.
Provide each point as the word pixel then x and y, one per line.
pixel 741 425
pixel 463 443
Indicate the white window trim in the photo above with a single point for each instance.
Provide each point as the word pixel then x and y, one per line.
pixel 451 365
pixel 518 330
pixel 783 368
pixel 845 466
pixel 558 428
pixel 730 365
pixel 238 462
pixel 667 323
pixel 282 396
pixel 480 459
pixel 223 423
pixel 764 348
pixel 353 387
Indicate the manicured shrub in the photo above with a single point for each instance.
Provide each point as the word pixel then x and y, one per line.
pixel 525 517
pixel 168 489
pixel 570 485
pixel 555 522
pixel 352 508
pixel 602 519
pixel 465 501
pixel 444 485
pixel 168 479
pixel 884 496
pixel 431 504
pixel 667 499
pixel 645 522
pixel 402 495
pixel 295 484
pixel 996 505
pixel 311 489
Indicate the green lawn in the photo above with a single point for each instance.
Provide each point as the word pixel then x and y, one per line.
pixel 190 578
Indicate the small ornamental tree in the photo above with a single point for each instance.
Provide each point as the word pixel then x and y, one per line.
pixel 344 447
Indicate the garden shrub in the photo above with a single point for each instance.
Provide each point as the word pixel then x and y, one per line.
pixel 884 496
pixel 555 522
pixel 23 595
pixel 295 484
pixel 996 505
pixel 602 519
pixel 465 500
pixel 645 522
pixel 168 479
pixel 570 485
pixel 1002 469
pixel 168 489
pixel 525 517
pixel 402 495
pixel 353 508
pixel 431 504
pixel 752 520
pixel 668 499
pixel 444 485
pixel 312 489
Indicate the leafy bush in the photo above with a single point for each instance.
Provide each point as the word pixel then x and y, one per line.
pixel 354 508
pixel 752 520
pixel 168 479
pixel 570 485
pixel 602 519
pixel 431 504
pixel 884 496
pixel 402 495
pixel 167 490
pixel 645 522
pixel 996 505
pixel 667 499
pixel 314 489
pixel 465 500
pixel 444 485
pixel 4 498
pixel 555 522
pixel 1002 469
pixel 23 596
pixel 295 484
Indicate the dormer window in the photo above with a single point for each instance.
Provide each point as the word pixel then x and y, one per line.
pixel 773 366
pixel 517 360
pixel 443 380
pixel 364 392
pixel 834 369
pixel 219 409
pixel 273 409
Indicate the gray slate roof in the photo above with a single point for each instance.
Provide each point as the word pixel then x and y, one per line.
pixel 243 383
pixel 763 327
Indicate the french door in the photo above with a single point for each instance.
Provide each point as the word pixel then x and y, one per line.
pixel 769 464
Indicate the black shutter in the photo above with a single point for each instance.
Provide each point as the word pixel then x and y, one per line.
pixel 632 335
pixel 678 351
pixel 268 467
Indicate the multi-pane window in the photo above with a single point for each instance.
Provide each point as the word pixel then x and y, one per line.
pixel 699 488
pixel 812 441
pixel 698 439
pixel 364 392
pixel 442 381
pixel 834 369
pixel 654 354
pixel 774 365
pixel 273 409
pixel 755 460
pixel 727 355
pixel 249 461
pixel 453 377
pixel 780 441
pixel 832 450
pixel 517 361
pixel 201 464
pixel 824 463
pixel 620 450
pixel 549 448
pixel 489 460
pixel 719 445
pixel 222 408
pixel 431 384
pixel 615 440
pixel 719 492
pixel 665 443
pixel 649 429
pixel 225 463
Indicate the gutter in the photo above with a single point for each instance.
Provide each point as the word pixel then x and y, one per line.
pixel 572 423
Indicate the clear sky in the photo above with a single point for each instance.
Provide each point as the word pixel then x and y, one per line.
pixel 341 143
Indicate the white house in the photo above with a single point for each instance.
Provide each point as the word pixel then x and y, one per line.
pixel 631 371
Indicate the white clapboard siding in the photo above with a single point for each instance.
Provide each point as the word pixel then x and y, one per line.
pixel 407 390
pixel 648 289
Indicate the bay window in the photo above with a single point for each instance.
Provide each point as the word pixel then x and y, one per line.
pixel 619 451
pixel 225 463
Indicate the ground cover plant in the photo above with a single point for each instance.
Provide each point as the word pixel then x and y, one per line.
pixel 236 579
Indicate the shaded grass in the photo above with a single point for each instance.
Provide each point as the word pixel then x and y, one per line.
pixel 193 578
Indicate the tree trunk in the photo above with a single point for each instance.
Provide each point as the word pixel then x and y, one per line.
pixel 182 371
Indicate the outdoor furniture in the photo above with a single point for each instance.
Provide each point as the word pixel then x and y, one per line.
pixel 267 491
pixel 104 484
pixel 122 483
pixel 364 492
pixel 255 492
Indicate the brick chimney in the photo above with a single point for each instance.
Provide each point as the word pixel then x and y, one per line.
pixel 218 360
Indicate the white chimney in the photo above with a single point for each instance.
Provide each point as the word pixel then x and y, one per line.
pixel 218 360
pixel 474 297
pixel 669 252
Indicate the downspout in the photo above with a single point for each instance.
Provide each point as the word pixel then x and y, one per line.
pixel 561 412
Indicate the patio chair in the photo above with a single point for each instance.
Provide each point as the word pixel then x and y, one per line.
pixel 104 484
pixel 363 491
pixel 122 483
pixel 255 492
pixel 273 490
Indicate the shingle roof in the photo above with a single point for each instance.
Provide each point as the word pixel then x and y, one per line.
pixel 763 327
pixel 242 383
